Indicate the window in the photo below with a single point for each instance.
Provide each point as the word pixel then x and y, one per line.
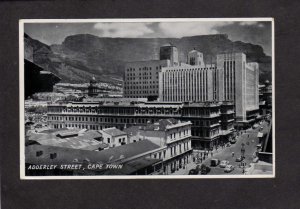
pixel 108 140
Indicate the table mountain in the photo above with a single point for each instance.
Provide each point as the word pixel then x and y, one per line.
pixel 83 56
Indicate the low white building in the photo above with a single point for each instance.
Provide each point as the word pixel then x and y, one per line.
pixel 114 137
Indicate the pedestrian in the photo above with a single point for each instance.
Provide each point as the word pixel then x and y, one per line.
pixel 232 154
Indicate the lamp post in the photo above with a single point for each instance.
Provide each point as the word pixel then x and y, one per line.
pixel 243 151
pixel 243 166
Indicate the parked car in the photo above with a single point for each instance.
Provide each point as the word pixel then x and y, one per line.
pixel 255 160
pixel 214 162
pixel 204 169
pixel 232 140
pixel 228 145
pixel 224 163
pixel 228 168
pixel 195 171
pixel 239 159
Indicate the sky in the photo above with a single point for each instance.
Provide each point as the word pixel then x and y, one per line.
pixel 255 32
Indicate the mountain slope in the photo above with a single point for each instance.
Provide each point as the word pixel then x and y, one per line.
pixel 82 56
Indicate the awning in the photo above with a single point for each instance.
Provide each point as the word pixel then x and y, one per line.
pixel 259 135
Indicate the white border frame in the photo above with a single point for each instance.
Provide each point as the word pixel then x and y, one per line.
pixel 21 97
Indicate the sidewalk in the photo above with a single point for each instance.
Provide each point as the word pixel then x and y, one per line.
pixel 193 165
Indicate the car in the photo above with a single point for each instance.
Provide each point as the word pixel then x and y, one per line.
pixel 233 141
pixel 214 162
pixel 204 169
pixel 224 163
pixel 239 159
pixel 255 160
pixel 195 171
pixel 228 168
pixel 228 145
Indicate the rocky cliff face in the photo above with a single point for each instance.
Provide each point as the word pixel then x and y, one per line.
pixel 82 56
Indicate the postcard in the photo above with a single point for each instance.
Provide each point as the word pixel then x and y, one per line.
pixel 147 98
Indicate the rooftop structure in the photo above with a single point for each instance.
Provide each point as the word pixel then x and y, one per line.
pixel 75 139
pixel 136 155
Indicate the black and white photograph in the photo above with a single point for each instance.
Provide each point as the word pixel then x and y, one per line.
pixel 147 98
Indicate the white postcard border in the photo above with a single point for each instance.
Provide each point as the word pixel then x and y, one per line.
pixel 21 97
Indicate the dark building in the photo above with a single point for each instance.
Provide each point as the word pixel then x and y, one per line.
pixel 265 98
pixel 92 88
pixel 130 159
pixel 38 80
pixel 207 118
pixel 169 52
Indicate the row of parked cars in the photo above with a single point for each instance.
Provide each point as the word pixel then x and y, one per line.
pixel 204 169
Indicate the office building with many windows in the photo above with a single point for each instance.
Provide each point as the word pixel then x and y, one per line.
pixel 206 118
pixel 238 82
pixel 141 78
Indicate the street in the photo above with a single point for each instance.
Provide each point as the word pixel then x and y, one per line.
pixel 250 141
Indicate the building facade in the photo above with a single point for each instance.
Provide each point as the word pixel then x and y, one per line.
pixel 194 82
pixel 114 137
pixel 205 117
pixel 173 136
pixel 187 83
pixel 169 52
pixel 238 82
pixel 141 79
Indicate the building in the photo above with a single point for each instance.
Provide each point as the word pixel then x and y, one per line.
pixel 195 58
pixel 237 81
pixel 265 98
pixel 130 159
pixel 231 79
pixel 187 83
pixel 92 88
pixel 37 79
pixel 73 139
pixel 141 79
pixel 206 117
pixel 114 137
pixel 192 82
pixel 172 135
pixel 169 52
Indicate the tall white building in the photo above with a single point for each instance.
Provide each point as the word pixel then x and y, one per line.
pixel 238 82
pixel 186 83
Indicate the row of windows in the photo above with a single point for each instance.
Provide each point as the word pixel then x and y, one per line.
pixel 179 134
pixel 141 78
pixel 174 149
pixel 145 73
pixel 142 87
pixel 81 126
pixel 190 69
pixel 141 82
pixel 143 68
pixel 141 92
pixel 132 111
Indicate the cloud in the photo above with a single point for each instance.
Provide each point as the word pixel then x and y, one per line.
pixel 132 30
pixel 180 29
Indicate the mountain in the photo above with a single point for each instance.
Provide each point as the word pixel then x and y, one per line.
pixel 82 56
